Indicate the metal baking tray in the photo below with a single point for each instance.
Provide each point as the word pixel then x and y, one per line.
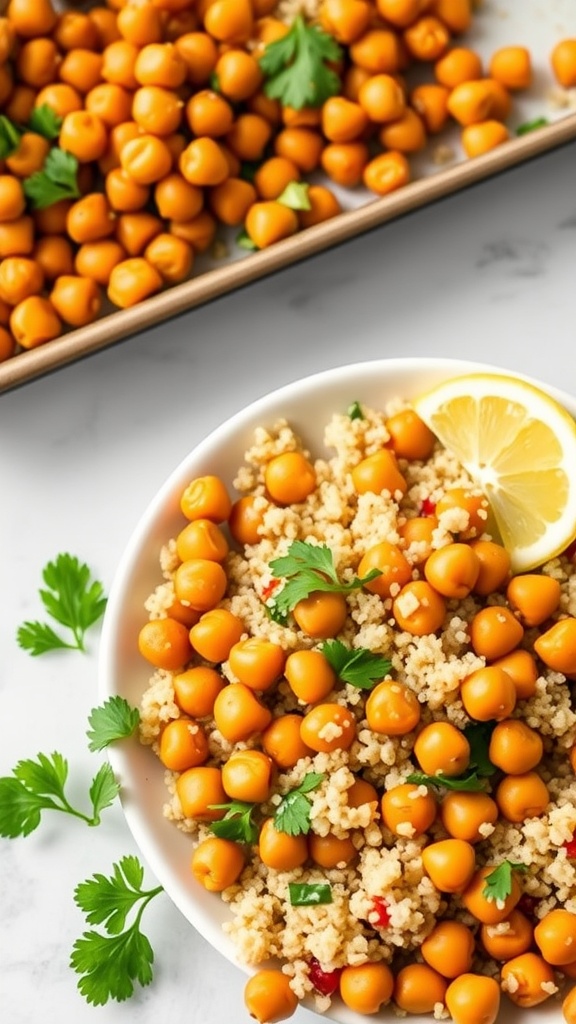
pixel 538 24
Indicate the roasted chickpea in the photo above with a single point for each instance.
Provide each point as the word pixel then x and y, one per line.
pixel 281 851
pixel 215 633
pixel 394 571
pixel 407 811
pixel 200 791
pixel 202 538
pixel 440 747
pixel 328 727
pixel 392 708
pixel 419 608
pixel 247 776
pixel 515 747
pixel 494 569
pixel 520 797
pixel 450 863
pixel 206 497
pixel 290 478
pixel 527 979
pixel 418 988
pixel 321 615
pixel 555 936
pixel 196 689
pixel 482 905
pixel 449 948
pixel 200 582
pixel 465 815
pixel 257 662
pixel 534 597
pixel 183 744
pixel 367 987
pixel 310 675
pixel 514 940
pixel 452 570
pixel 282 741
pixel 268 996
pixel 473 997
pixel 330 851
pixel 217 863
pixel 238 714
pixel 488 693
pixel 379 472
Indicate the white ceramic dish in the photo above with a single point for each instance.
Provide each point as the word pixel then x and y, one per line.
pixel 307 404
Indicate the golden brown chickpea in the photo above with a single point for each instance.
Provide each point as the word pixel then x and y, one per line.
pixel 392 708
pixel 419 608
pixel 463 512
pixel 473 997
pixel 534 597
pixel 217 863
pixel 450 863
pixel 527 979
pixel 520 797
pixel 494 566
pixel 200 583
pixel 495 631
pixel 328 727
pixel 410 437
pixel 516 939
pixel 321 615
pixel 440 747
pixel 416 538
pixel 199 791
pixel 486 909
pixel 393 568
pixel 290 478
pixel 330 851
pixel 247 776
pixel 257 662
pixel 183 744
pixel 488 693
pixel 281 740
pixel 557 646
pixel 418 988
pixel 367 987
pixel 379 472
pixel 206 497
pixel 238 714
pixel 245 520
pixel 196 689
pixel 407 811
pixel 449 948
pixel 464 815
pixel 280 851
pixel 515 747
pixel 215 633
pixel 268 996
pixel 452 570
pixel 310 675
pixel 522 669
pixel 555 936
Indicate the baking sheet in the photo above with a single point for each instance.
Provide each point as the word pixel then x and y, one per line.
pixel 537 24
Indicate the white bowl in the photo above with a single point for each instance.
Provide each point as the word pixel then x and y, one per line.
pixel 307 404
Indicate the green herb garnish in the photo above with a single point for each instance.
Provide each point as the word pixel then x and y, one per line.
pixel 469 783
pixel 531 126
pixel 308 568
pixel 478 735
pixel 293 813
pixel 498 884
pixel 9 137
pixel 355 411
pixel 110 964
pixel 359 667
pixel 115 719
pixel 57 180
pixel 304 894
pixel 296 66
pixel 45 121
pixel 237 823
pixel 72 599
pixel 295 196
pixel 37 786
pixel 243 241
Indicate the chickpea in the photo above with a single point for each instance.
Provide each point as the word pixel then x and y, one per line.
pixel 310 675
pixel 393 568
pixel 282 741
pixel 290 478
pixel 487 910
pixel 521 667
pixel 131 281
pixel 494 566
pixel 495 631
pixel 419 608
pixel 442 748
pixel 416 538
pixel 19 278
pixel 555 936
pixel 206 497
pixel 280 851
pixel 330 851
pixel 146 159
pixel 367 987
pixel 504 945
pixel 464 815
pixel 520 797
pixel 407 810
pixel 515 747
pixel 257 662
pixel 34 321
pixel 217 863
pixel 409 436
pixel 201 583
pixel 449 948
pixel 215 633
pixel 450 863
pixel 534 597
pixel 12 198
pixel 55 256
pixel 165 643
pixel 196 689
pixel 418 988
pixel 524 978
pixel 90 218
pixel 183 744
pixel 392 708
pixel 238 714
pixel 77 300
pixel 557 646
pixel 328 727
pixel 245 520
pixel 488 693
pixel 463 512
pixel 361 792
pixel 322 615
pixel 200 792
pixel 473 999
pixel 202 538
pixel 247 776
pixel 267 994
pixel 452 570
pixel 379 472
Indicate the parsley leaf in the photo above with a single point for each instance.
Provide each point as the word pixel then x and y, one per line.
pixel 307 568
pixel 355 411
pixel 45 121
pixel 359 667
pixel 296 66
pixel 293 813
pixel 109 964
pixel 9 137
pixel 57 180
pixel 309 894
pixel 72 599
pixel 295 196
pixel 498 884
pixel 469 783
pixel 243 241
pixel 237 823
pixel 113 720
pixel 478 735
pixel 39 785
pixel 531 126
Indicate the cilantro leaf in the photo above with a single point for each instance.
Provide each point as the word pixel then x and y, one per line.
pixel 110 964
pixel 9 137
pixel 355 411
pixel 45 121
pixel 237 823
pixel 308 568
pixel 469 783
pixel 39 785
pixel 292 815
pixel 309 894
pixel 72 599
pixel 296 66
pixel 57 180
pixel 359 667
pixel 478 735
pixel 498 884
pixel 115 719
pixel 295 196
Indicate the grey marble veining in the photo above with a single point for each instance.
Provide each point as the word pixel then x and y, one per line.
pixel 487 274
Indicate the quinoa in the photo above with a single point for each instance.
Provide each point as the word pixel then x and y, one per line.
pixel 383 903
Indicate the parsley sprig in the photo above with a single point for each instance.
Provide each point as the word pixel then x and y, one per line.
pixel 237 824
pixel 359 666
pixel 113 720
pixel 9 137
pixel 58 179
pixel 498 884
pixel 307 568
pixel 309 894
pixel 72 599
pixel 45 121
pixel 292 815
pixel 296 67
pixel 111 963
pixel 39 785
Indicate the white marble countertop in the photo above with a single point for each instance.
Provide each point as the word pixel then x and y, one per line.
pixel 488 274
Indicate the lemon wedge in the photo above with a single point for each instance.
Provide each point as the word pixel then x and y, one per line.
pixel 519 446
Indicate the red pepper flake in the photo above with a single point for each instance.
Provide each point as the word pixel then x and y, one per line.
pixel 428 507
pixel 325 982
pixel 269 589
pixel 379 914
pixel 570 847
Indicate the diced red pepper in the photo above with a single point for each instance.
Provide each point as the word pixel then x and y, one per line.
pixel 379 913
pixel 325 982
pixel 269 589
pixel 428 507
pixel 570 847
